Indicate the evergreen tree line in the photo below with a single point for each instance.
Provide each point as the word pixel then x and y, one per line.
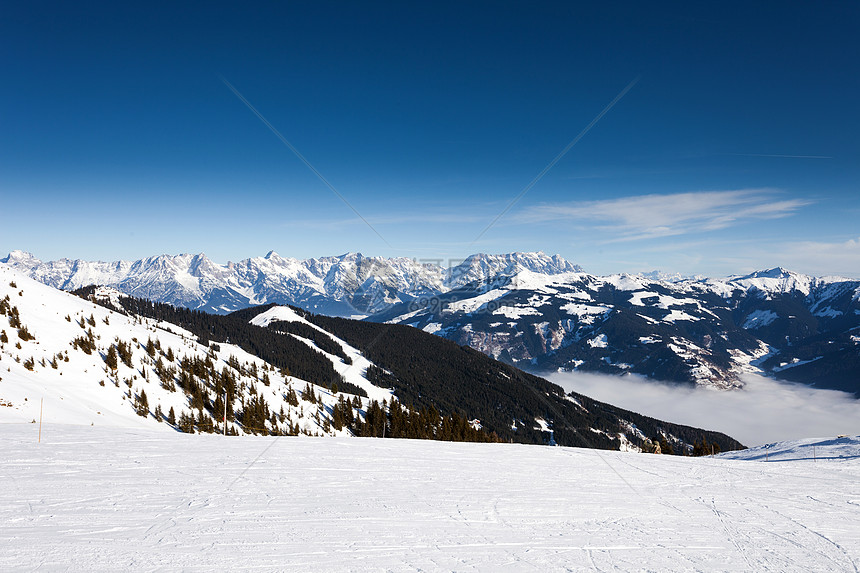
pixel 430 371
pixel 206 389
pixel 397 421
pixel 281 350
pixel 324 342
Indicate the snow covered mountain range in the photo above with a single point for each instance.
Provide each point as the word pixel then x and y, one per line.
pixel 533 310
pixel 108 359
pixel 346 285
pixel 705 331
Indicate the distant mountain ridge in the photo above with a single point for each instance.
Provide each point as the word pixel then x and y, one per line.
pixel 345 285
pixel 706 331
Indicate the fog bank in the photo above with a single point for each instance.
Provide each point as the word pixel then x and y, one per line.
pixel 764 411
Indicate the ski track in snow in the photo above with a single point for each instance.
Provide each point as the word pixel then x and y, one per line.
pixel 107 499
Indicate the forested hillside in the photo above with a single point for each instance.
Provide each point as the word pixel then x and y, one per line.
pixel 430 371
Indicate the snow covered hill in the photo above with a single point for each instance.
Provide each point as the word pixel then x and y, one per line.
pixel 102 499
pixel 68 360
pixel 814 449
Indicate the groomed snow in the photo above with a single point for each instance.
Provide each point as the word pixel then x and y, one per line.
pixel 276 313
pixel 102 499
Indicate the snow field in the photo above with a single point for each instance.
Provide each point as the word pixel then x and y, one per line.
pixel 107 499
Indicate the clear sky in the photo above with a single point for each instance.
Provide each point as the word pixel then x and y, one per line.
pixel 737 146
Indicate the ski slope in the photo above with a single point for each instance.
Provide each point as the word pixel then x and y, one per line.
pixel 354 372
pixel 108 499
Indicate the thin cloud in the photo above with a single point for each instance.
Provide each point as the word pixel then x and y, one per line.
pixel 838 258
pixel 655 215
pixel 816 258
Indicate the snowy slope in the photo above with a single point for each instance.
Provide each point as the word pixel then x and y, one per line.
pixel 352 373
pixel 811 449
pixel 93 499
pixel 81 389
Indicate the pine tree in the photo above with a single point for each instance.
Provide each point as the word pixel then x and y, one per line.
pixel 14 318
pixel 111 358
pixel 186 423
pixel 171 417
pixel 665 446
pixel 337 415
pixel 308 394
pixel 141 404
pixel 124 353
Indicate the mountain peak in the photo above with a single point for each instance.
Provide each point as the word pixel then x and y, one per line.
pixel 774 273
pixel 20 258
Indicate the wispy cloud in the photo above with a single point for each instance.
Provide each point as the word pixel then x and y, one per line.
pixel 817 258
pixel 822 258
pixel 656 215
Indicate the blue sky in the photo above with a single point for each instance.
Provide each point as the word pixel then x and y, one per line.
pixel 735 149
